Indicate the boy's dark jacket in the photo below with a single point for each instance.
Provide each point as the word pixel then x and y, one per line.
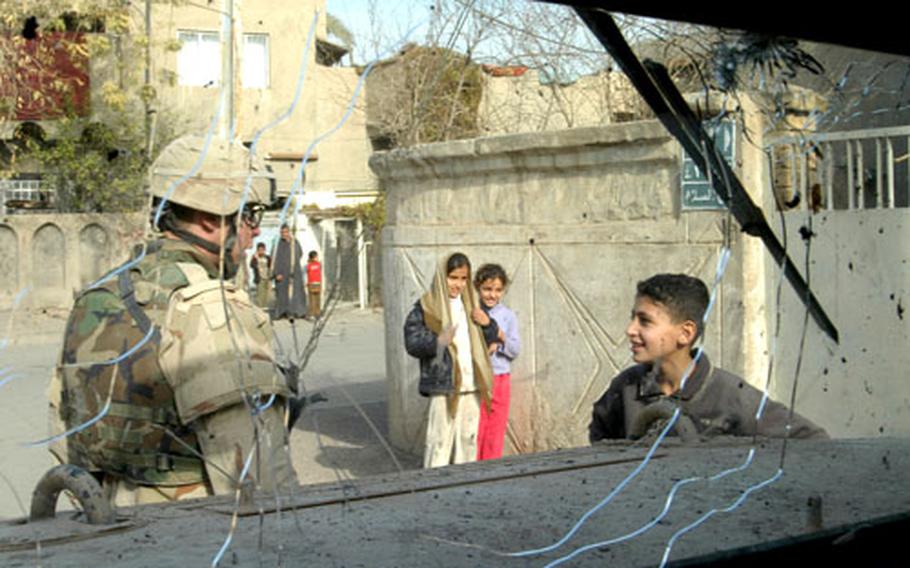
pixel 717 403
pixel 254 267
pixel 435 364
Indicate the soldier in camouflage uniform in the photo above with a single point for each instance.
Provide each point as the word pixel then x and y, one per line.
pixel 174 357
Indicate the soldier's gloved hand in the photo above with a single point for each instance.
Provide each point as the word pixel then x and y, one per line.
pixel 292 376
pixel 297 405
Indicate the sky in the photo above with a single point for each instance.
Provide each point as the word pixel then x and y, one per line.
pixel 393 19
pixel 390 21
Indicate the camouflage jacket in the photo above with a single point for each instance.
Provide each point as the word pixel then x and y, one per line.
pixel 165 353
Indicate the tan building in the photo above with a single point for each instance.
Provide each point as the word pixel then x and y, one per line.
pixel 292 121
pixel 269 44
pixel 257 87
pixel 187 71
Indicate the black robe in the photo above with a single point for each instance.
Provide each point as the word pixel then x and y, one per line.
pixel 290 301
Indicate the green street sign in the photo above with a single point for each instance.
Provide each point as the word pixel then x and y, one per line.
pixel 697 191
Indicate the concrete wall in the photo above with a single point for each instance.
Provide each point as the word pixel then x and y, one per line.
pixel 576 217
pixel 860 270
pixel 53 256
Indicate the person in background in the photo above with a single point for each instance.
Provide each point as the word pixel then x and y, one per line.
pixel 314 284
pixel 289 301
pixel 259 265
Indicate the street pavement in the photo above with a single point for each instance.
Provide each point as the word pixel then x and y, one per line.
pixel 334 441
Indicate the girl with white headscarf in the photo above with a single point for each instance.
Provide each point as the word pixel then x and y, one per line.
pixel 455 373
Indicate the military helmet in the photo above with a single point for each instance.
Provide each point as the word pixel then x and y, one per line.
pixel 216 186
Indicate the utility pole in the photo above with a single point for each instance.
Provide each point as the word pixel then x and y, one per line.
pixel 148 79
pixel 227 69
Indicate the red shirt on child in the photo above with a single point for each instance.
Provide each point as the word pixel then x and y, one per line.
pixel 313 272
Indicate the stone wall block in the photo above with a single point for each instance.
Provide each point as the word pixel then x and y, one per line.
pixel 705 227
pixel 94 253
pixel 59 254
pixel 9 261
pixel 48 266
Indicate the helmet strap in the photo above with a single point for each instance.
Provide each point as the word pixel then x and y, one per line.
pixel 230 267
pixel 168 223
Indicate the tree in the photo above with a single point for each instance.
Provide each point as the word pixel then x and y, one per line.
pixel 423 95
pixel 493 67
pixel 76 69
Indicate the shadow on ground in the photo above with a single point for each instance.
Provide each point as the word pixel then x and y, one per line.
pixel 335 441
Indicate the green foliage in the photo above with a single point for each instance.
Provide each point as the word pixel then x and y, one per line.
pixel 97 163
pixel 173 45
pixel 448 98
pixel 98 167
pixel 372 215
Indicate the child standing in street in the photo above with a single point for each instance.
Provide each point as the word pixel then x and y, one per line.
pixel 442 331
pixel 261 275
pixel 491 282
pixel 314 284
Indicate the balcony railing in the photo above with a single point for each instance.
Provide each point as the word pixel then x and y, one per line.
pixel 26 195
pixel 860 169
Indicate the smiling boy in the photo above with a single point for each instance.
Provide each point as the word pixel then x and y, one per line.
pixel 666 321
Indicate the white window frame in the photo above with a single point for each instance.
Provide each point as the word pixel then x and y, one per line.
pixel 198 64
pixel 256 76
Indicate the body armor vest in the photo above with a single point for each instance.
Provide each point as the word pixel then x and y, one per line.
pixel 109 368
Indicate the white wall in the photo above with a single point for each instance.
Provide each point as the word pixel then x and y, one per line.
pixel 859 270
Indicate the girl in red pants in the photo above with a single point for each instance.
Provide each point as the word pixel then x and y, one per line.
pixel 491 282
